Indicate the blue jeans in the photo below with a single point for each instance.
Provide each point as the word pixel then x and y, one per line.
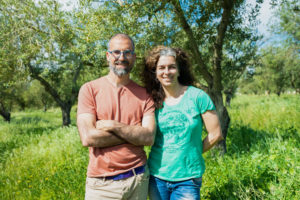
pixel 179 190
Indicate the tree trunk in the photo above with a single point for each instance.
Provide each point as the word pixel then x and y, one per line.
pixel 21 103
pixel 214 80
pixel 278 93
pixel 65 105
pixel 217 86
pixel 223 117
pixel 45 107
pixel 44 101
pixel 228 99
pixel 4 113
pixel 229 96
pixel 66 109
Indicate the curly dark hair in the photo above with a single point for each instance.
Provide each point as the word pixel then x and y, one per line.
pixel 152 85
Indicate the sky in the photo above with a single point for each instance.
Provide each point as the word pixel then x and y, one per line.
pixel 265 17
pixel 68 4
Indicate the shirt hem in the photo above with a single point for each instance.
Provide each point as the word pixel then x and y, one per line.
pixel 113 173
pixel 175 180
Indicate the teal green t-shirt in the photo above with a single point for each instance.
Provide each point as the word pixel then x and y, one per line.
pixel 177 151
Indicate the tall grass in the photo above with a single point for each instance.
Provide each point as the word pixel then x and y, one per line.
pixel 39 159
pixel 263 151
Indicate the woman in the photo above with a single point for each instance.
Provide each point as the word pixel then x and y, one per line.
pixel 176 163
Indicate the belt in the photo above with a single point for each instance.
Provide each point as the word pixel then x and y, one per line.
pixel 128 174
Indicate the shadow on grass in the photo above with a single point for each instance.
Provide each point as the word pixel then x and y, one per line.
pixel 28 120
pixel 33 126
pixel 242 139
pixel 249 186
pixel 5 150
pixel 21 131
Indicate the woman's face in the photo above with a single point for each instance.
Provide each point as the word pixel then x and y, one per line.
pixel 167 71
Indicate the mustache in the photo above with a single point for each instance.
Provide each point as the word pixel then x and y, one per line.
pixel 122 62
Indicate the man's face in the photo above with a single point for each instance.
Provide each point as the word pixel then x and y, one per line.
pixel 120 57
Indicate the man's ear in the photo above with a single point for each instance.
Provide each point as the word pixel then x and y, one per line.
pixel 107 56
pixel 134 56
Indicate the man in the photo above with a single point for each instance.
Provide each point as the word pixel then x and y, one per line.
pixel 115 119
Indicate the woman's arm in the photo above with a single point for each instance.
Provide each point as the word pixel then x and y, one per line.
pixel 212 124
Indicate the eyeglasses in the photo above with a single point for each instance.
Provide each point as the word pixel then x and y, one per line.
pixel 117 53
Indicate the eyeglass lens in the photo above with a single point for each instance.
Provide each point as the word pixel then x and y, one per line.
pixel 126 53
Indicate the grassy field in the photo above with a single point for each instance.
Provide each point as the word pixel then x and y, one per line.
pixel 41 160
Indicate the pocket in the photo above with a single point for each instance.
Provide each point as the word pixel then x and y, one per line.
pixel 146 175
pixel 197 181
pixel 94 183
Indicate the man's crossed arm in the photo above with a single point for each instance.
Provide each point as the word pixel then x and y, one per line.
pixel 106 133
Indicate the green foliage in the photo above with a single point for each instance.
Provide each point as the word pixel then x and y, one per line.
pixel 288 12
pixel 272 70
pixel 277 71
pixel 51 45
pixel 278 68
pixel 11 95
pixel 63 49
pixel 41 160
pixel 36 96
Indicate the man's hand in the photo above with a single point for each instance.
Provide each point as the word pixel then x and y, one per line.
pixel 138 135
pixel 108 125
pixel 93 137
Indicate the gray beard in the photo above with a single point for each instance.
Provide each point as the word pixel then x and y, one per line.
pixel 119 72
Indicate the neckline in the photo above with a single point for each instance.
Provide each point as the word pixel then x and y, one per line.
pixel 116 87
pixel 181 99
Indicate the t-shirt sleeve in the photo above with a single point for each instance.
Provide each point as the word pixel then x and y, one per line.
pixel 86 100
pixel 204 102
pixel 149 107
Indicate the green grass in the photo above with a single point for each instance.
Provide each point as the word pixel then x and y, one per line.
pixel 39 159
pixel 263 151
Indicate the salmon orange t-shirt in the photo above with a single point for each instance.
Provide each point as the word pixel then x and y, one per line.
pixel 127 104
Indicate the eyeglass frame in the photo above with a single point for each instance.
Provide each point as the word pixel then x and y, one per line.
pixel 121 52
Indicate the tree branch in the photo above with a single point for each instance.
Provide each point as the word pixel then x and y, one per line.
pixel 74 83
pixel 46 85
pixel 218 45
pixel 192 42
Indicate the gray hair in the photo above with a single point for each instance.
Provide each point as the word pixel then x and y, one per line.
pixel 121 35
pixel 168 52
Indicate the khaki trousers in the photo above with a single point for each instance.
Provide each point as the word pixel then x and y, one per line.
pixel 132 188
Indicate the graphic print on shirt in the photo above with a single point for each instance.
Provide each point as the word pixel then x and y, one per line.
pixel 173 127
